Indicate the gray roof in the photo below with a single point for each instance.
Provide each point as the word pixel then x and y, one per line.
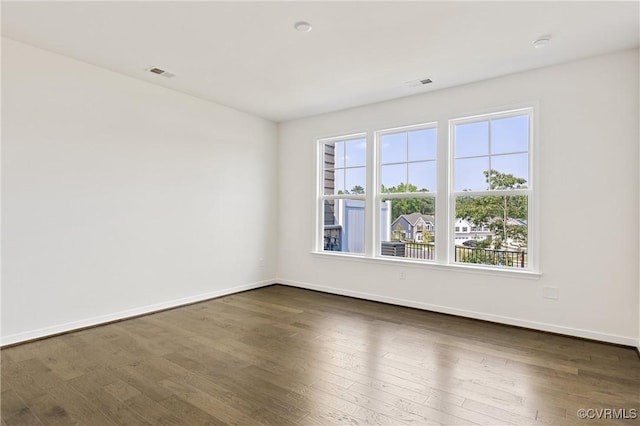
pixel 413 218
pixel 513 221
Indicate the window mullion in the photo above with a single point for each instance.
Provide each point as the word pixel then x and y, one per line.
pixel 443 202
pixel 406 161
pixel 371 215
pixel 490 151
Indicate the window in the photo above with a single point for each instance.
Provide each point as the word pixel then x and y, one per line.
pixel 407 176
pixel 342 203
pixel 492 185
pixel 378 198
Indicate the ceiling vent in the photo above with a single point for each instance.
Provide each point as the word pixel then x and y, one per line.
pixel 416 83
pixel 161 72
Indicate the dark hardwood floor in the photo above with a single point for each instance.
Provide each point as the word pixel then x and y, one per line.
pixel 286 356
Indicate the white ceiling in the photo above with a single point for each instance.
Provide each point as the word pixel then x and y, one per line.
pixel 247 55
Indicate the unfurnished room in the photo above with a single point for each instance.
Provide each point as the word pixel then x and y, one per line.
pixel 320 213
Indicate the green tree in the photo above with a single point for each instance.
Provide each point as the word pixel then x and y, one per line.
pixel 357 190
pixel 400 206
pixel 396 235
pixel 426 236
pixel 497 211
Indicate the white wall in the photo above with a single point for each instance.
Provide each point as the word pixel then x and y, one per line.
pixel 588 157
pixel 121 197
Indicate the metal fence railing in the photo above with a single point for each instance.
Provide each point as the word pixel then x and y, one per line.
pixel 497 257
pixel 420 251
pixel 484 256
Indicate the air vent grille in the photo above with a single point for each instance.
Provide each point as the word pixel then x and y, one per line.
pixel 420 82
pixel 161 72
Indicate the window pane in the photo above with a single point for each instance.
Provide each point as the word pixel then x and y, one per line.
pixel 344 166
pixel 510 134
pixel 482 235
pixel 516 165
pixel 407 228
pixel 393 177
pixel 339 154
pixel 422 145
pixel 469 174
pixel 339 181
pixel 355 180
pixel 423 176
pixel 355 152
pixel 343 228
pixel 472 139
pixel 393 148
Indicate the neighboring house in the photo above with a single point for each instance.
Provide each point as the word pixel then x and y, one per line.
pixel 412 226
pixel 520 222
pixel 466 230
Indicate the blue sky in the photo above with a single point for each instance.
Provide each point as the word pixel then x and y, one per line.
pixel 416 151
pixel 505 151
pixel 499 144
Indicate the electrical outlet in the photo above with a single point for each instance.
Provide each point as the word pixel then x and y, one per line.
pixel 549 292
pixel 403 275
pixel 261 262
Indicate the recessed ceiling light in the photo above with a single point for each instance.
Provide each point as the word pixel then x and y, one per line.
pixel 541 42
pixel 302 26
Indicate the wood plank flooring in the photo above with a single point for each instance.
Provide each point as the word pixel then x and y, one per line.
pixel 285 356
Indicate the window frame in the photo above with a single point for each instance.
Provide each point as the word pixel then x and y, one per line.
pixel 444 193
pixel 530 111
pixel 322 197
pixel 378 195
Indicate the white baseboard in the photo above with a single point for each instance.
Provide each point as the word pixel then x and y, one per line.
pixel 117 316
pixel 129 313
pixel 569 331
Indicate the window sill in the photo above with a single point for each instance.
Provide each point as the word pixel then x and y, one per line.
pixel 465 269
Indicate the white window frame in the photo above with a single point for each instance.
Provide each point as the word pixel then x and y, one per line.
pixel 444 194
pixel 322 197
pixel 529 191
pixel 379 195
